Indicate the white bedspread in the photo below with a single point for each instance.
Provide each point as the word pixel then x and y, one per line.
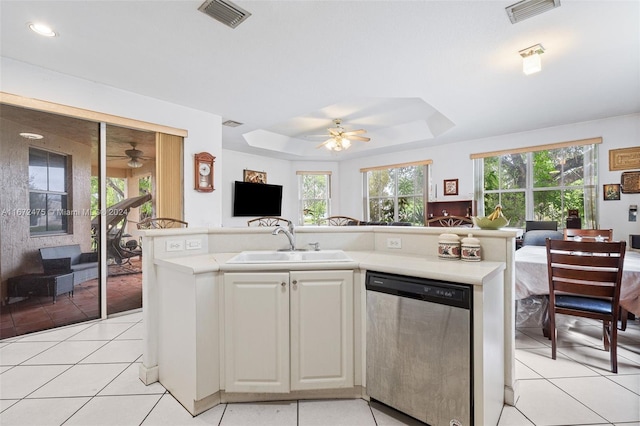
pixel 532 278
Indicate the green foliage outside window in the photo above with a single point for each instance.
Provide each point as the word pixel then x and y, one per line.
pixel 116 193
pixel 542 185
pixel 397 195
pixel 314 195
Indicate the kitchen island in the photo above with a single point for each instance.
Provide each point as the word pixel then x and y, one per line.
pixel 218 331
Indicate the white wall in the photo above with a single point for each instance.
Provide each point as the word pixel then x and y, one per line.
pixel 205 130
pixel 452 162
pixel 279 172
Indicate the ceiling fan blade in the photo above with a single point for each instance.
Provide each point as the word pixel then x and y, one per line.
pixel 324 143
pixel 117 156
pixel 354 132
pixel 359 138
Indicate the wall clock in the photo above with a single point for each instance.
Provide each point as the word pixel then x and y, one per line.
pixel 203 167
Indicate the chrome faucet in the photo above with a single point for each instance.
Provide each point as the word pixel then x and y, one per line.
pixel 290 233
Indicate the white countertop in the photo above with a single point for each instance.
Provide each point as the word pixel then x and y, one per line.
pixel 474 273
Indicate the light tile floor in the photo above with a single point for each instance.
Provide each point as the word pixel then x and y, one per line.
pixel 87 374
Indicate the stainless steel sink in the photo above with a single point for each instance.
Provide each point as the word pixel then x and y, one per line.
pixel 290 256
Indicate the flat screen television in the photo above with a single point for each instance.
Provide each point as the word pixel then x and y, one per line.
pixel 256 199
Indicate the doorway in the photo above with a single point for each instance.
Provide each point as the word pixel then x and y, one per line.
pixel 81 158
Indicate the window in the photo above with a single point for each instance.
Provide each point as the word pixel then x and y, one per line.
pixel 396 194
pixel 541 184
pixel 48 192
pixel 314 193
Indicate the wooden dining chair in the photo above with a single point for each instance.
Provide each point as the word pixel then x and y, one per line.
pixel 588 234
pixel 584 281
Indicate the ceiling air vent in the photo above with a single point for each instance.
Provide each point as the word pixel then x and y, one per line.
pixel 225 12
pixel 527 8
pixel 231 123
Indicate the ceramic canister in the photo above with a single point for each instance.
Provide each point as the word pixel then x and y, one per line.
pixel 449 246
pixel 470 249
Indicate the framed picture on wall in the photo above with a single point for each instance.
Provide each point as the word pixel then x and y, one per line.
pixel 254 176
pixel 630 182
pixel 451 187
pixel 611 191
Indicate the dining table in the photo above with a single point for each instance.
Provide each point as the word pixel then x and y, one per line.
pixel 532 276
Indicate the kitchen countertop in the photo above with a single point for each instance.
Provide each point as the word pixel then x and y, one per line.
pixel 474 273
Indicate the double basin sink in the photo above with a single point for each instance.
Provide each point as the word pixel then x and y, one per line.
pixel 269 256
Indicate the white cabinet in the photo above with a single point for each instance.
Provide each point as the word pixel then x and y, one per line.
pixel 256 332
pixel 321 329
pixel 288 331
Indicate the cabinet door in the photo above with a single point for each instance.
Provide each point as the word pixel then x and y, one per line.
pixel 321 329
pixel 256 332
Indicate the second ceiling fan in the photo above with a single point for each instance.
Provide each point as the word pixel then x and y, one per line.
pixel 340 139
pixel 134 155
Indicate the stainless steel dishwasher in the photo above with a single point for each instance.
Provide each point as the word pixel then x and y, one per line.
pixel 419 340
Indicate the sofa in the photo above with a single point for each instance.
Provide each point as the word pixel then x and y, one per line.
pixel 70 259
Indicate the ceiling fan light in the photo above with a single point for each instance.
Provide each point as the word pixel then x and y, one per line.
pixel 134 163
pixel 531 62
pixel 42 29
pixel 346 143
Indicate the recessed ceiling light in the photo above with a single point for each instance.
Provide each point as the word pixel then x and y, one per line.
pixel 42 29
pixel 31 135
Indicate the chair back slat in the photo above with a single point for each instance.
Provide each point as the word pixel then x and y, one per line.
pixel 584 290
pixel 580 275
pixel 586 259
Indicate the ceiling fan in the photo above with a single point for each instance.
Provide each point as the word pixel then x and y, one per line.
pixel 340 139
pixel 134 155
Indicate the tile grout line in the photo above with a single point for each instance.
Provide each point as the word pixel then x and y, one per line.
pixel 58 342
pixel 91 398
pixel 224 411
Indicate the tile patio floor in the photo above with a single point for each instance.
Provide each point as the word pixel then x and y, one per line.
pixel 124 293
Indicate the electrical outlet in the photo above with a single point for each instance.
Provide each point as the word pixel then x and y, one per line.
pixel 394 243
pixel 174 245
pixel 194 244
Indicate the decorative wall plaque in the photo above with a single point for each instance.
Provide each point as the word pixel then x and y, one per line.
pixel 630 182
pixel 624 158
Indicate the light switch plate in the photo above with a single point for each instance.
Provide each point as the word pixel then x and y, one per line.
pixel 394 243
pixel 174 245
pixel 195 244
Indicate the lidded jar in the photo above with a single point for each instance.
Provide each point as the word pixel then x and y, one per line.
pixel 470 249
pixel 449 246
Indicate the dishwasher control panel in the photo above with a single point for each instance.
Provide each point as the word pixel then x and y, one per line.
pixel 443 292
